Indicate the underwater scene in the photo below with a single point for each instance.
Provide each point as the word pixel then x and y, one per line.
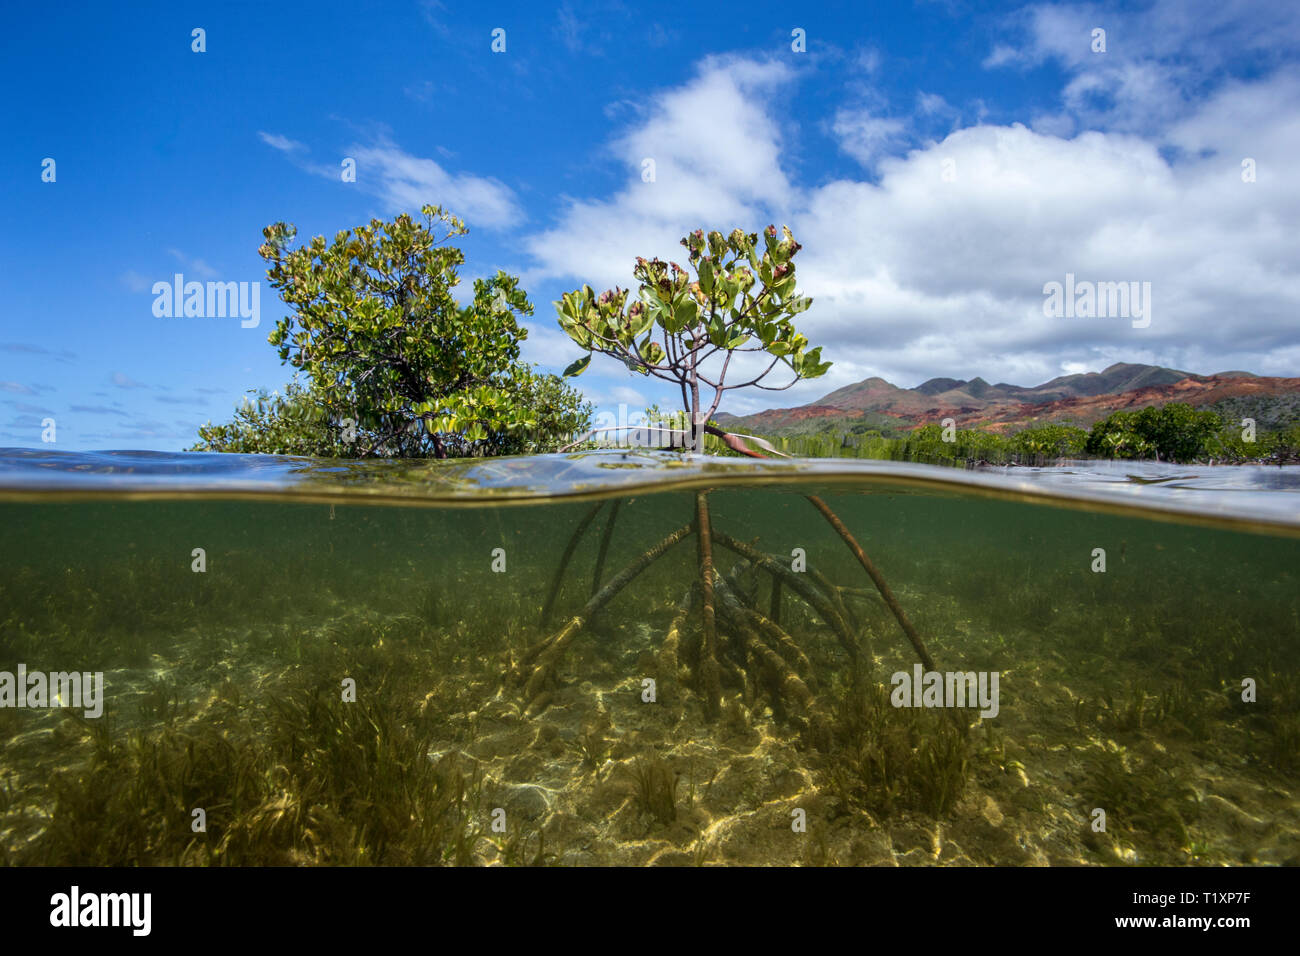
pixel 721 663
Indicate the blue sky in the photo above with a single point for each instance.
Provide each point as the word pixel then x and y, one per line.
pixel 940 162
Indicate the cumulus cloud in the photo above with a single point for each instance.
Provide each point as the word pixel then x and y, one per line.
pixel 715 150
pixel 1158 57
pixel 866 137
pixel 936 266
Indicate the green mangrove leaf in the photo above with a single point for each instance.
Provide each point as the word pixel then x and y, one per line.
pixel 578 366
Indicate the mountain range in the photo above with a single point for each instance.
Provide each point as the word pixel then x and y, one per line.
pixel 1079 399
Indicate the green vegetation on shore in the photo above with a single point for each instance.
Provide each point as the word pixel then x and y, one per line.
pixel 1175 432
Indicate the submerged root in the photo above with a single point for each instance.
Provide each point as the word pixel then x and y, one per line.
pixel 788 691
pixel 669 658
pixel 605 538
pixel 547 653
pixel 797 583
pixel 735 642
pixel 777 637
pixel 708 671
pixel 565 558
pixel 878 579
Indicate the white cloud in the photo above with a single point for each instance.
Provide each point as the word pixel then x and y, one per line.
pixel 546 344
pixel 932 104
pixel 629 396
pixel 1157 57
pixel 915 276
pixel 407 182
pixel 569 28
pixel 283 143
pixel 865 137
pixel 404 182
pixel 716 158
pixel 948 276
pixel 868 60
pixel 1001 55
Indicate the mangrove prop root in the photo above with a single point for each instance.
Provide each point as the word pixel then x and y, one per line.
pixel 776 636
pixel 786 684
pixel 710 681
pixel 669 654
pixel 881 586
pixel 819 602
pixel 549 652
pixel 866 594
pixel 564 561
pixel 837 599
pixel 734 672
pixel 604 547
pixel 846 612
pixel 776 601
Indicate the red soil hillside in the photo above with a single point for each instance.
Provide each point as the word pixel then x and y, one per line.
pixel 1195 392
pixel 1077 399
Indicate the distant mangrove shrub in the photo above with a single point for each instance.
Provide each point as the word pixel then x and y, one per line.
pixel 1032 444
pixel 1174 432
pixel 1280 445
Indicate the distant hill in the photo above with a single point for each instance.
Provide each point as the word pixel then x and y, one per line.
pixel 1079 399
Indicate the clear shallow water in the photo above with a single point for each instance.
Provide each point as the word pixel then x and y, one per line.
pixel 1119 690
